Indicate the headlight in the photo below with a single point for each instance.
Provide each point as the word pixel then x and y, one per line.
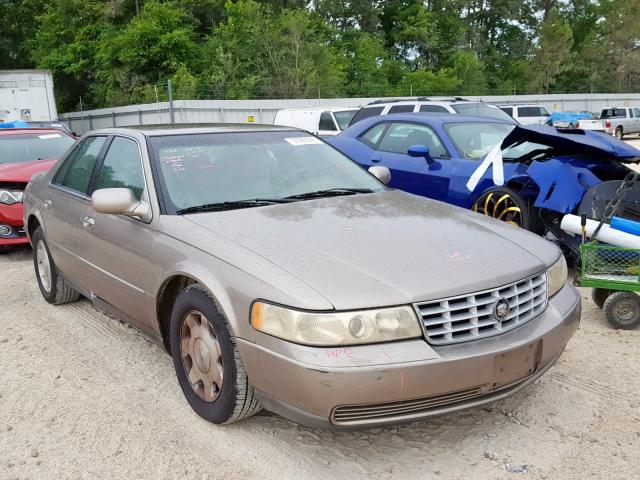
pixel 336 328
pixel 9 197
pixel 557 276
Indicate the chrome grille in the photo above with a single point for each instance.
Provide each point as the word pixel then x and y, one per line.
pixel 355 414
pixel 471 317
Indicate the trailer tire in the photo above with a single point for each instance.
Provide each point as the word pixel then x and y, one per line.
pixel 622 310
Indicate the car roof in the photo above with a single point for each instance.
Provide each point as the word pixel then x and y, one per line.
pixel 436 118
pixel 17 131
pixel 188 129
pixel 318 109
pixel 520 105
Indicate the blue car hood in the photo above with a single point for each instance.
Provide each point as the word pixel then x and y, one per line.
pixel 574 142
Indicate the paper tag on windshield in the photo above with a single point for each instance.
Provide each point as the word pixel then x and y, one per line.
pixel 297 141
pixel 49 135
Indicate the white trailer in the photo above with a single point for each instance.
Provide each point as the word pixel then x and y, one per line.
pixel 27 95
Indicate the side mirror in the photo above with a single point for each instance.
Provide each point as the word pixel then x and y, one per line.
pixel 381 173
pixel 120 201
pixel 420 151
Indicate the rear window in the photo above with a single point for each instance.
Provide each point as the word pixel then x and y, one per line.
pixel 613 113
pixel 343 117
pixel 366 112
pixel 433 109
pixel 28 147
pixel 402 108
pixel 480 109
pixel 532 112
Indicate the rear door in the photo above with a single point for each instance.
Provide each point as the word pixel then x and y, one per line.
pixel 64 202
pixel 118 248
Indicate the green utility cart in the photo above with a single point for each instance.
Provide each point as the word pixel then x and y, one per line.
pixel 614 275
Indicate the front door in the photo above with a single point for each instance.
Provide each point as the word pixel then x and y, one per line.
pixel 118 248
pixel 414 174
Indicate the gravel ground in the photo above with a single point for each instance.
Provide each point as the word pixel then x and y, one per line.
pixel 83 396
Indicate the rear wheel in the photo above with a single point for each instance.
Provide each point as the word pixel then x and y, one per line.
pixel 622 310
pixel 507 205
pixel 206 360
pixel 53 287
pixel 619 133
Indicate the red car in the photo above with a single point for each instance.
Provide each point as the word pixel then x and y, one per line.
pixel 23 153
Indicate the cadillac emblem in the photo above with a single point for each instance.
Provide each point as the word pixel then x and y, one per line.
pixel 501 309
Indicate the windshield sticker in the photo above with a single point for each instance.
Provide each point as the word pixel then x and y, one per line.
pixel 297 141
pixel 49 135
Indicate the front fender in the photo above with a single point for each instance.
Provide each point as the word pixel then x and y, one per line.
pixel 561 185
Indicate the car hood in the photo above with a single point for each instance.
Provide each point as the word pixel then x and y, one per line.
pixel 22 172
pixel 574 141
pixel 385 248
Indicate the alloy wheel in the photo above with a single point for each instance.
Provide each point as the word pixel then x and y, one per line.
pixel 201 356
pixel 501 206
pixel 44 266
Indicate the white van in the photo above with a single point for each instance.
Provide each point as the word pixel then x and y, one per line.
pixel 527 114
pixel 319 121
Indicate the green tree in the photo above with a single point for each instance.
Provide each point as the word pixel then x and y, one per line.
pixel 553 52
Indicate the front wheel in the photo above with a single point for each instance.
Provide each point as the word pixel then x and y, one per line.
pixel 622 310
pixel 507 205
pixel 206 360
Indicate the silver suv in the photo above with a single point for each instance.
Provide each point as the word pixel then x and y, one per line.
pixel 429 105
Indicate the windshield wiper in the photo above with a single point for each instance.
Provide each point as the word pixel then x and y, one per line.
pixel 331 192
pixel 231 205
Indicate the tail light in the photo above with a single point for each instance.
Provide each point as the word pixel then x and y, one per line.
pixel 607 124
pixel 578 124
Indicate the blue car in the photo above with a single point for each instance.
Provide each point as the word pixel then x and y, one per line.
pixel 536 174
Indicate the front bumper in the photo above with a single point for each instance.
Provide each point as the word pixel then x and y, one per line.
pixel 12 216
pixel 364 386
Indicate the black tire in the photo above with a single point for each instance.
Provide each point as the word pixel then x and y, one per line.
pixel 236 399
pixel 3 249
pixel 497 202
pixel 622 310
pixel 58 291
pixel 619 133
pixel 599 296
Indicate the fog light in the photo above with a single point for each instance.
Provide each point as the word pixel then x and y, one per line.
pixel 5 230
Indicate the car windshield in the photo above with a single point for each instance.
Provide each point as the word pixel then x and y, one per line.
pixel 216 168
pixel 475 140
pixel 344 117
pixel 28 147
pixel 480 109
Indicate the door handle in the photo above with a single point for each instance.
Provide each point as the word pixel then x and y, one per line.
pixel 376 160
pixel 88 222
pixel 46 204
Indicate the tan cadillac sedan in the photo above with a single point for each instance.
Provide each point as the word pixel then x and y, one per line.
pixel 279 274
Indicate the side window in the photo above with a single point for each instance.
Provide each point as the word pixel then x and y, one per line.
pixel 122 167
pixel 401 109
pixel 366 112
pixel 401 136
pixel 636 112
pixel 507 110
pixel 433 109
pixel 326 122
pixel 76 172
pixel 372 136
